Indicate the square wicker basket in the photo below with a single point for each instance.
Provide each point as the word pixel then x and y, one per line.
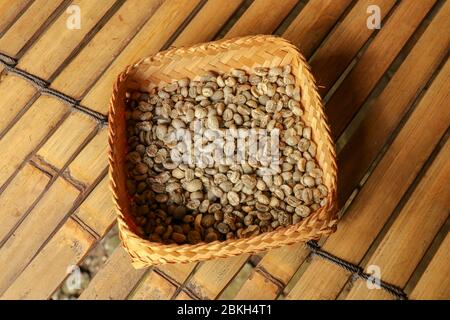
pixel 221 56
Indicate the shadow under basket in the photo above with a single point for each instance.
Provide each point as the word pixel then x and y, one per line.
pixel 220 56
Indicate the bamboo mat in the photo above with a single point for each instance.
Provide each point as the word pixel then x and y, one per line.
pixel 386 94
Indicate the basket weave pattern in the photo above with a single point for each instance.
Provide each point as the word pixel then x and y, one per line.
pixel 221 56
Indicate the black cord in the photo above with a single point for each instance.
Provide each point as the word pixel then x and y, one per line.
pixel 44 87
pixel 355 270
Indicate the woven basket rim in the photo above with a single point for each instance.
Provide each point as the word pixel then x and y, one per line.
pixel 329 223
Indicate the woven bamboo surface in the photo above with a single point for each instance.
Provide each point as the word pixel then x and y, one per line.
pixel 385 92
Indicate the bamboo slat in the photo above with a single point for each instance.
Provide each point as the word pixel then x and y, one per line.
pixel 151 286
pixel 22 30
pixel 28 132
pixel 57 43
pixel 91 13
pixel 262 17
pixel 150 39
pixel 291 256
pixel 65 249
pixel 183 296
pixel 177 272
pixel 92 160
pixel 380 194
pixel 97 210
pixel 10 10
pixel 435 281
pixel 65 141
pixel 24 136
pixel 345 41
pixel 390 106
pixel 20 248
pixel 213 276
pixel 422 62
pixel 23 190
pixel 314 22
pixel 154 287
pixel 108 283
pixel 15 93
pixel 82 72
pixel 69 137
pixel 358 84
pixel 207 22
pixel 413 230
pixel 258 287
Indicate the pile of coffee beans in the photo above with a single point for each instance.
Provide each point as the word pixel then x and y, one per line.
pixel 188 177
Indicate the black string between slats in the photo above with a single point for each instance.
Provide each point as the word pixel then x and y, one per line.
pixel 44 88
pixel 355 270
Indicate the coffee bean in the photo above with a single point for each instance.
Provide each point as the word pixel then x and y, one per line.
pixel 161 198
pixel 223 228
pixel 177 228
pixel 194 237
pixel 212 236
pixel 178 237
pixel 208 220
pixel 251 231
pixel 302 211
pixel 193 185
pixel 160 230
pixel 248 220
pixel 264 216
pixel 233 198
pixel 188 218
pixel 155 238
pixel 193 204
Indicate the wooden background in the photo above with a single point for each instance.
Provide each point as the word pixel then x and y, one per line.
pixel 386 93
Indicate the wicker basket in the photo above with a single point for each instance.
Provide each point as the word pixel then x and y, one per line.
pixel 244 53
